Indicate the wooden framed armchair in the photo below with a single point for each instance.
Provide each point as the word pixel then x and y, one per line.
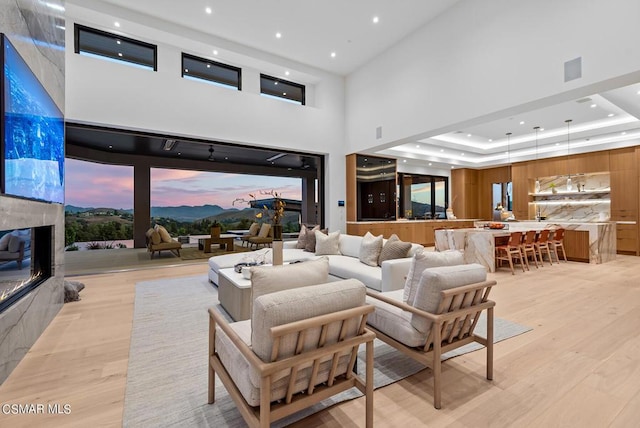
pixel 438 315
pixel 299 348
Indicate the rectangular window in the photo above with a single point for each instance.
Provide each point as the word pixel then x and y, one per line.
pixel 281 89
pixel 217 73
pixel 92 42
pixel 423 196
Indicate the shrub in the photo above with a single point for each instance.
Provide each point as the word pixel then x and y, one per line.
pixel 72 247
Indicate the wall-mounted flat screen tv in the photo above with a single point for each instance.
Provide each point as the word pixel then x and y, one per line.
pixel 31 133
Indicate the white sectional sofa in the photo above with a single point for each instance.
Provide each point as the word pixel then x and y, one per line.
pixel 390 276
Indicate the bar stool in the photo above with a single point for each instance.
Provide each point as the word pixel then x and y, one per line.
pixel 558 243
pixel 542 243
pixel 510 250
pixel 529 247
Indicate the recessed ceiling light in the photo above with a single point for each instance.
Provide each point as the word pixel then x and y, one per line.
pixel 278 35
pixel 117 24
pixel 179 153
pixel 110 146
pixel 593 105
pixel 333 54
pixel 275 83
pixel 215 52
pixel 118 42
pixel 623 133
pixel 284 93
pixel 452 167
pixel 119 53
pixel 441 150
pixel 557 144
pixel 226 158
pixel 461 154
pixel 404 161
pixel 186 70
pixel 490 140
pixel 208 65
pixel 286 73
pixel 541 129
pixel 418 145
pixel 638 92
pixel 376 19
pixel 522 122
pixel 208 10
pixel 610 115
pixel 468 135
pixel 430 164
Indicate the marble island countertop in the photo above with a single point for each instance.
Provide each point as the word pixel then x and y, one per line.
pixel 406 220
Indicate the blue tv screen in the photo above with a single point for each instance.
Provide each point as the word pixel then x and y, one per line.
pixel 32 133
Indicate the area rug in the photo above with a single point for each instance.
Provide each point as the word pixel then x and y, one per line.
pixel 167 373
pixel 193 253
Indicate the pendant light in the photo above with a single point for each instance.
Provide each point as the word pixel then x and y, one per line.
pixel 569 183
pixel 537 184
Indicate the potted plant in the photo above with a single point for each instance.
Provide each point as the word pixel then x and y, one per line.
pixel 552 186
pixel 215 229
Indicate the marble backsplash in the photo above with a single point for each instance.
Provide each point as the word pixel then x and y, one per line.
pixel 588 199
pixel 37 30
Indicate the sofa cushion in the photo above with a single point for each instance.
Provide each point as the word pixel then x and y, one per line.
pixel 393 321
pixel 435 280
pixel 300 303
pixel 4 242
pixel 350 245
pixel 370 248
pixel 269 279
pixel 350 267
pixel 264 230
pixel 327 244
pixel 426 260
pixel 394 248
pixel 164 235
pixel 6 255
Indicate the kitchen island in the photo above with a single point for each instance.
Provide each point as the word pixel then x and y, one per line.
pixel 584 242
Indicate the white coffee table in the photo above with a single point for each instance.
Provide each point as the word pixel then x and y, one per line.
pixel 234 294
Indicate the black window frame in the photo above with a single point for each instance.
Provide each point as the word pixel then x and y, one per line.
pixel 211 78
pixel 78 29
pixel 424 178
pixel 287 83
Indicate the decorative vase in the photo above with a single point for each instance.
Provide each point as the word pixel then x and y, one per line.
pixel 537 186
pixel 277 232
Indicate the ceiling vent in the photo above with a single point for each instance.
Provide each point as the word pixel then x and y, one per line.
pixel 583 100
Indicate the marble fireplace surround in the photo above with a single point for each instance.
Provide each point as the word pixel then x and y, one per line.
pixel 34 29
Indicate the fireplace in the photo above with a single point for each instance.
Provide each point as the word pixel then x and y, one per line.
pixel 26 261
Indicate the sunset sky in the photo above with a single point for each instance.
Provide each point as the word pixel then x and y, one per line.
pixel 89 184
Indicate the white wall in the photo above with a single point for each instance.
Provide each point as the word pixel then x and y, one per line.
pixel 113 94
pixel 490 57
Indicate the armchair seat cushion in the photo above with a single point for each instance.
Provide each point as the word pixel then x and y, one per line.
pixel 173 245
pixel 9 255
pixel 393 321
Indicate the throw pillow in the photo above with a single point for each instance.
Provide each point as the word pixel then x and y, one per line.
pixel 311 239
pixel 254 229
pixel 394 248
pixel 302 237
pixel 426 260
pixel 164 235
pixel 4 242
pixel 370 248
pixel 14 244
pixel 264 230
pixel 327 244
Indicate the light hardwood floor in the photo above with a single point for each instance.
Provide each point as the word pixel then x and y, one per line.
pixel 579 367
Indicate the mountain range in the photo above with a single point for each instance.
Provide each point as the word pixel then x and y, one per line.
pixel 186 213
